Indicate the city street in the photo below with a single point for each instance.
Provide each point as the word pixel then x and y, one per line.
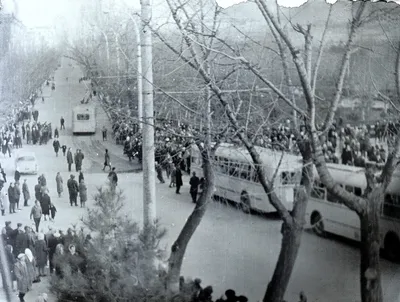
pixel 230 249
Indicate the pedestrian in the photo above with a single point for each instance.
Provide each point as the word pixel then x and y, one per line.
pixel 70 159
pixel 73 190
pixel 53 211
pixel 80 177
pixel 21 242
pixel 104 132
pixel 56 146
pixel 79 156
pixel 17 175
pixel 64 149
pixel 17 196
pixel 194 186
pixel 107 162
pixel 45 204
pixel 31 266
pixel 38 191
pixel 159 173
pixel 41 254
pixel 56 134
pixel 82 193
pixel 25 192
pixel 60 184
pixel 112 176
pixel 178 179
pixel 11 198
pixel 36 214
pixel 21 274
pixel 62 121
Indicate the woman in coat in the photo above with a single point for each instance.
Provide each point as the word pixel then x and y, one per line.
pixel 80 177
pixel 22 276
pixel 31 266
pixel 25 192
pixel 41 254
pixel 60 183
pixel 17 194
pixel 82 193
pixel 46 202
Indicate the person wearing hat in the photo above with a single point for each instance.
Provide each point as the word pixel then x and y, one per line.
pixel 41 254
pixel 73 190
pixel 36 214
pixel 7 233
pixel 22 276
pixel 52 242
pixel 20 240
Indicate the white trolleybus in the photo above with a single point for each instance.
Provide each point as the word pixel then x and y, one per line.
pixel 84 119
pixel 237 181
pixel 326 214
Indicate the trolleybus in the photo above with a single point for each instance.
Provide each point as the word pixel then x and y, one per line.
pixel 84 119
pixel 326 214
pixel 237 180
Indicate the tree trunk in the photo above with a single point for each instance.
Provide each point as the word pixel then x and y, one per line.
pixel 370 273
pixel 178 249
pixel 149 176
pixel 292 232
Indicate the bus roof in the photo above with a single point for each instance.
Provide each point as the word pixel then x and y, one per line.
pixel 83 108
pixel 268 156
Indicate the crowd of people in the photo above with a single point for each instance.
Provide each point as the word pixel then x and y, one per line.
pixel 29 254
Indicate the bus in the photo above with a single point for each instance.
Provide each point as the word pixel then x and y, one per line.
pixel 326 214
pixel 237 180
pixel 84 119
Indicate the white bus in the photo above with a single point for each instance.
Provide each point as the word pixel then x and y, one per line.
pixel 328 215
pixel 84 119
pixel 237 181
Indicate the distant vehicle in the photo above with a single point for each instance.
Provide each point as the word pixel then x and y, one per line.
pixel 26 163
pixel 84 119
pixel 326 214
pixel 237 180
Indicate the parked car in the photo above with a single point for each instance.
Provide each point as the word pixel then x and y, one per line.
pixel 26 163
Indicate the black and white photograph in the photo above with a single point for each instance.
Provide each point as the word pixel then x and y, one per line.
pixel 199 151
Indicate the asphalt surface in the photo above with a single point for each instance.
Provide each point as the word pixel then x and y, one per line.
pixel 230 249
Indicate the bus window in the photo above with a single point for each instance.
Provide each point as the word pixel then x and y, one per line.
pixel 332 198
pixel 82 117
pixel 254 176
pixel 284 176
pixel 318 190
pixel 349 189
pixel 245 170
pixel 234 169
pixel 194 160
pixel 357 191
pixel 391 207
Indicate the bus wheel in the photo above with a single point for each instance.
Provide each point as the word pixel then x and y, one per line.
pixel 245 202
pixel 317 224
pixel 392 247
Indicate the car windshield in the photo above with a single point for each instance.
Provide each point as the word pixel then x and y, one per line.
pixel 26 158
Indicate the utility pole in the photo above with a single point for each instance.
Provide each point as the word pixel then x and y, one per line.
pixel 149 175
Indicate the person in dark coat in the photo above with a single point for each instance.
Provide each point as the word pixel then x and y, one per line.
pixel 80 177
pixel 53 211
pixel 45 204
pixel 194 186
pixel 112 176
pixel 178 179
pixel 56 146
pixel 64 149
pixel 70 159
pixel 17 175
pixel 52 242
pixel 25 192
pixel 56 134
pixel 17 194
pixel 73 190
pixel 41 254
pixel 62 122
pixel 38 191
pixel 21 242
pixel 107 162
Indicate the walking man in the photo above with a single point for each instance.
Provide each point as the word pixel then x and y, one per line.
pixel 62 121
pixel 178 179
pixel 194 186
pixel 56 146
pixel 36 214
pixel 104 131
pixel 70 159
pixel 25 192
pixel 73 190
pixel 107 162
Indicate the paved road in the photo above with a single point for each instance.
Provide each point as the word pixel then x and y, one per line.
pixel 230 249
